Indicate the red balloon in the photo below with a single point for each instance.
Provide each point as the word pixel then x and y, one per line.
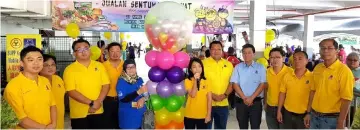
pixel 169 43
pixel 155 42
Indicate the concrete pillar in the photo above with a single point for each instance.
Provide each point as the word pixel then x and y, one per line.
pixel 308 34
pixel 258 25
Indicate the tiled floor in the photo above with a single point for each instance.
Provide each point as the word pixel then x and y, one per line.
pixel 142 70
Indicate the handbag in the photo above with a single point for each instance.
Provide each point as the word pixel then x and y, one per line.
pixel 148 120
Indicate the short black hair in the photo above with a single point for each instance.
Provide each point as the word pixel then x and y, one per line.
pixel 113 44
pixel 215 42
pixel 276 49
pixel 207 53
pixel 341 46
pixel 335 43
pixel 248 46
pixel 47 57
pixel 100 43
pixel 80 40
pixel 28 49
pixel 231 50
pixel 191 74
pixel 306 55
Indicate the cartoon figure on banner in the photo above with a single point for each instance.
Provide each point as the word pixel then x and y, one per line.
pixel 200 14
pixel 223 13
pixel 211 15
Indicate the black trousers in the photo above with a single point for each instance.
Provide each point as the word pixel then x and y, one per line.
pixel 194 123
pixel 292 120
pixel 95 121
pixel 252 113
pixel 111 107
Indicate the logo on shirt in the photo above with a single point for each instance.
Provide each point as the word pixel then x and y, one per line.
pixel 307 81
pixel 331 77
pixel 96 69
pixel 120 94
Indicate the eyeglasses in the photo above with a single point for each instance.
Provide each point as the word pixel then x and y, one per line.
pixel 324 48
pixel 81 50
pixel 48 66
pixel 131 67
pixel 352 60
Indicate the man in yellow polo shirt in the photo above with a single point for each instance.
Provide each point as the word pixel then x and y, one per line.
pixel 114 68
pixel 29 94
pixel 294 94
pixel 274 78
pixel 87 84
pixel 218 72
pixel 332 93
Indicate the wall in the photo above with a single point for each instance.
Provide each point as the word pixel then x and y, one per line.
pixel 12 28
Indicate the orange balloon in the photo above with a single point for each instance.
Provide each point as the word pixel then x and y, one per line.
pixel 163 37
pixel 173 125
pixel 157 126
pixel 174 49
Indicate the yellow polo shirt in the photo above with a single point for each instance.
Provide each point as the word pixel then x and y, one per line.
pixel 113 74
pixel 86 80
pixel 274 81
pixel 218 75
pixel 58 90
pixel 297 91
pixel 30 99
pixel 196 108
pixel 332 84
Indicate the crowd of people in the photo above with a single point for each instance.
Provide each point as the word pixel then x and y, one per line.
pixel 110 95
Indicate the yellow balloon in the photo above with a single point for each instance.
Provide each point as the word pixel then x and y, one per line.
pixel 178 116
pixel 162 117
pixel 267 52
pixel 163 37
pixel 291 61
pixel 128 36
pixel 95 52
pixel 123 45
pixel 73 30
pixel 107 35
pixel 263 61
pixel 270 35
pixel 122 36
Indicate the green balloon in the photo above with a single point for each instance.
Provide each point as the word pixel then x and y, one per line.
pixel 182 99
pixel 150 19
pixel 156 102
pixel 173 103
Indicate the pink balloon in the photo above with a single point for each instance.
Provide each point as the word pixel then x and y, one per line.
pixel 150 58
pixel 181 59
pixel 165 60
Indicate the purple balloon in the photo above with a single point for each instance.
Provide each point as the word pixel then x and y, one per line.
pixel 175 75
pixel 164 89
pixel 179 89
pixel 151 87
pixel 156 74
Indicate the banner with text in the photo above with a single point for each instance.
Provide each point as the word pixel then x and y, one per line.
pixel 14 44
pixel 212 16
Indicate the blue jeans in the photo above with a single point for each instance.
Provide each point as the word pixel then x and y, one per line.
pixel 219 114
pixel 322 122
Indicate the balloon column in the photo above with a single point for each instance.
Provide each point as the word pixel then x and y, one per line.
pixel 168 26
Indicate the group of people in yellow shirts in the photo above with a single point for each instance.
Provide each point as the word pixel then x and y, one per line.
pixel 291 98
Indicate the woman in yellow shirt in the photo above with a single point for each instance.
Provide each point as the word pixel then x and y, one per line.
pixel 57 87
pixel 198 105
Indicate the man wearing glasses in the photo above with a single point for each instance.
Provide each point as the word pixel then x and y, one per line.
pixel 87 84
pixel 332 93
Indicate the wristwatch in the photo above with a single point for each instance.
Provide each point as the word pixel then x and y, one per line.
pixel 307 112
pixel 91 103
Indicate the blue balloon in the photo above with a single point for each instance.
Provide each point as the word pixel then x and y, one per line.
pixel 156 74
pixel 175 75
